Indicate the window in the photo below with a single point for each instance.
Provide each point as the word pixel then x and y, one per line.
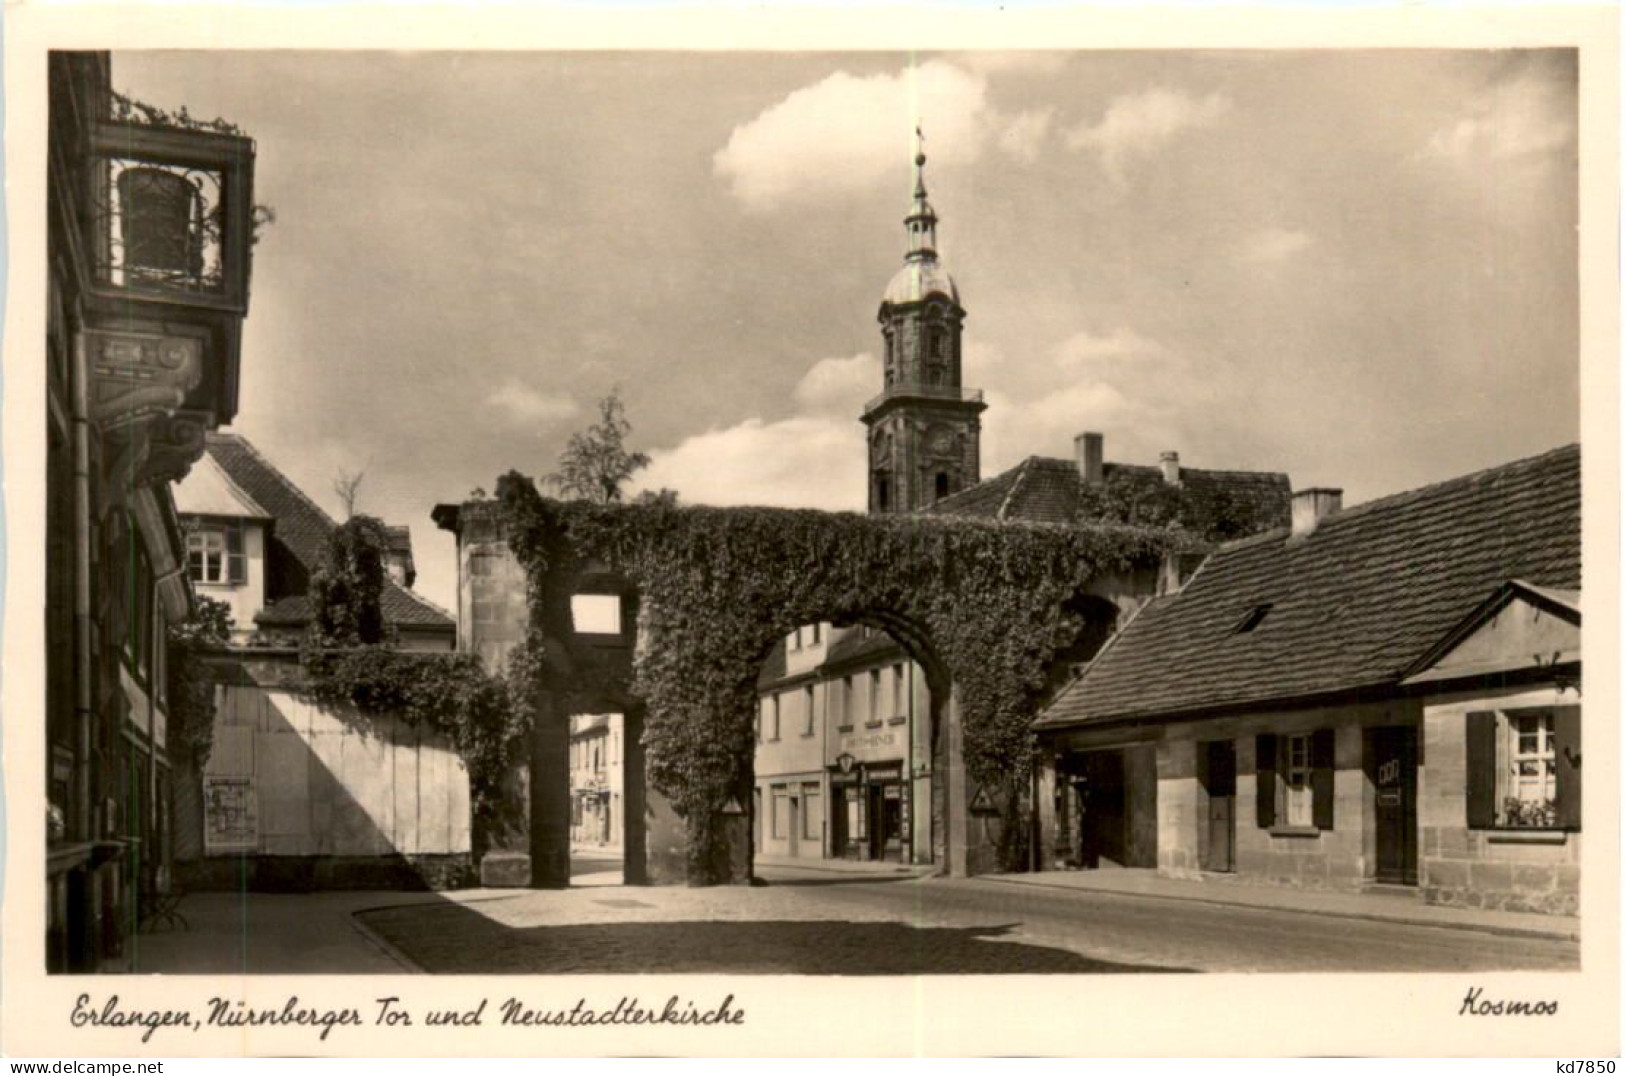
pixel 773 729
pixel 138 610
pixel 846 701
pixel 793 640
pixel 874 694
pixel 1298 773
pixel 1255 616
pixel 807 710
pixel 781 811
pixel 596 614
pixel 1523 768
pixel 817 633
pixel 899 682
pixel 214 555
pixel 812 813
pixel 942 484
pixel 1296 776
pixel 882 493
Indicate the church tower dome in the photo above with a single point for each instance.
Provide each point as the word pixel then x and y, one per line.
pixel 924 427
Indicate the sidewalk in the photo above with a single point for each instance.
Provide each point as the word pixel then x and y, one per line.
pixel 271 934
pixel 1404 906
pixel 845 866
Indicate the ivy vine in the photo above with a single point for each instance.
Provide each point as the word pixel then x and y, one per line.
pixel 992 603
pixel 206 630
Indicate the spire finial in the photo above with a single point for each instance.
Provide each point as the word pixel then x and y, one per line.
pixel 919 161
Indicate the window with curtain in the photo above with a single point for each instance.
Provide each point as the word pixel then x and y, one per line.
pixel 1523 768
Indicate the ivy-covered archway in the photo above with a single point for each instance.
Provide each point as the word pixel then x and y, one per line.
pixel 986 607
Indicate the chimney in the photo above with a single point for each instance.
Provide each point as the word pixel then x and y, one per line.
pixel 1170 468
pixel 1090 450
pixel 1310 506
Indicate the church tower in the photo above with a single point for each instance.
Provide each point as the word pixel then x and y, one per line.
pixel 924 428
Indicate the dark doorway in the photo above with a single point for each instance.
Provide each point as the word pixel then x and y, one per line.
pixel 1218 774
pixel 1391 759
pixel 886 813
pixel 1102 809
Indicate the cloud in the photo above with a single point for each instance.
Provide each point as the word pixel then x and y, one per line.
pixel 1032 61
pixel 839 386
pixel 1518 119
pixel 801 462
pixel 1085 348
pixel 1024 134
pixel 1137 125
pixel 521 403
pixel 1272 245
pixel 846 134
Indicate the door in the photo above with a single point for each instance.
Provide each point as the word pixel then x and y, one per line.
pixel 1219 780
pixel 1102 814
pixel 1392 763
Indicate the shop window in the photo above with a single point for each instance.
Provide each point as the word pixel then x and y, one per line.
pixel 214 555
pixel 1296 775
pixel 1523 768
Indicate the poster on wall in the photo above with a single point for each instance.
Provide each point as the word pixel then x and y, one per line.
pixel 230 820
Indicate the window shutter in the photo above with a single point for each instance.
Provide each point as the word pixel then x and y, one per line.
pixel 1566 742
pixel 1325 777
pixel 1266 780
pixel 236 562
pixel 1481 730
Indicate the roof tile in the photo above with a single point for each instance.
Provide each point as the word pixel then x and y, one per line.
pixel 1351 604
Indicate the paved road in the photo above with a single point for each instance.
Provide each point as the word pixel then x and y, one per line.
pixel 820 922
pixel 1205 937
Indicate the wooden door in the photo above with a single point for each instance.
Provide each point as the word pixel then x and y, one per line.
pixel 1392 762
pixel 1219 780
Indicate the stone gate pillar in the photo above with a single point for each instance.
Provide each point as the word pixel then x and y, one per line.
pixel 550 794
pixel 957 823
pixel 1044 840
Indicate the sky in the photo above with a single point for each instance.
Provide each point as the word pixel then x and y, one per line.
pixel 1359 268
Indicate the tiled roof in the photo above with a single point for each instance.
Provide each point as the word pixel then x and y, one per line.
pixel 772 668
pixel 1044 490
pixel 857 646
pixel 300 529
pixel 1351 605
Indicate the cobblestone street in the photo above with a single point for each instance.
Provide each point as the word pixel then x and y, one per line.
pixel 819 922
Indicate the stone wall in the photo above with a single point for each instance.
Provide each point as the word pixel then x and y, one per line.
pixel 1524 871
pixel 296 780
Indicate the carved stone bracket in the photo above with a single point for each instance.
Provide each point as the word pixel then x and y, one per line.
pixel 139 376
pixel 174 444
pixel 139 385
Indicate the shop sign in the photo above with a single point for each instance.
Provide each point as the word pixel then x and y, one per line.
pixel 230 815
pixel 859 741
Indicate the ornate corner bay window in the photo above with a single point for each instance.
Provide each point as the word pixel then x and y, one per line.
pixel 1523 768
pixel 171 205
